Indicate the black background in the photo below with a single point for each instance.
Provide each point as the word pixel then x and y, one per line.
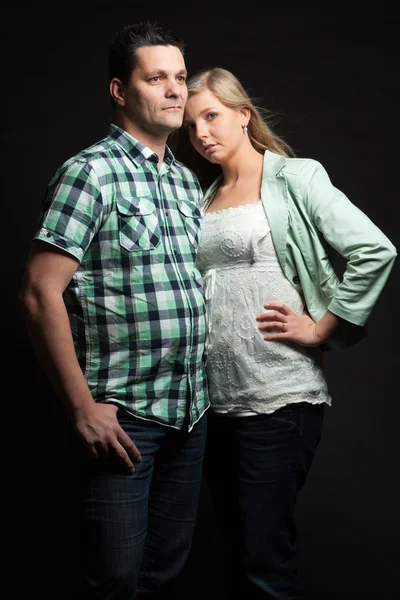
pixel 331 74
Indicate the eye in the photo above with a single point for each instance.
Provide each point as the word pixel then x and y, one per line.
pixel 211 115
pixel 181 78
pixel 156 78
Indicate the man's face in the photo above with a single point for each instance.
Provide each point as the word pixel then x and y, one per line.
pixel 156 94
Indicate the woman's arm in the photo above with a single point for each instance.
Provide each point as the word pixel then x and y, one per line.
pixel 368 252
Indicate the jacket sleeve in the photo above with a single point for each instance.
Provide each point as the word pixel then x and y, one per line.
pixel 369 255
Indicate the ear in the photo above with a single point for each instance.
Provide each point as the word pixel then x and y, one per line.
pixel 117 91
pixel 245 116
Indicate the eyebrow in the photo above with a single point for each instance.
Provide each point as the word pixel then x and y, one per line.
pixel 209 109
pixel 164 73
pixel 206 110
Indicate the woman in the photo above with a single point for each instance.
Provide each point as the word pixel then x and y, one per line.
pixel 271 225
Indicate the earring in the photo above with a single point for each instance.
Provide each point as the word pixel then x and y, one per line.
pixel 245 129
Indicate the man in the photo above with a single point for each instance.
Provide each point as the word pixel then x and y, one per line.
pixel 114 307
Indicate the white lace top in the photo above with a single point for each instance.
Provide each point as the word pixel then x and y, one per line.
pixel 240 273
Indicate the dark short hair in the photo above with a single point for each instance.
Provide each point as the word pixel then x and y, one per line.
pixel 122 57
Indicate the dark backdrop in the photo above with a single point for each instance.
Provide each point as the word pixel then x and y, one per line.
pixel 331 74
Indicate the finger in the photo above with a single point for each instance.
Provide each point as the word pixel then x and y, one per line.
pixel 91 450
pixel 279 306
pixel 270 316
pixel 277 336
pixel 101 449
pixel 130 448
pixel 279 325
pixel 124 459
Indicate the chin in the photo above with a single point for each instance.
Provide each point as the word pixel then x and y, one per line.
pixel 173 124
pixel 212 158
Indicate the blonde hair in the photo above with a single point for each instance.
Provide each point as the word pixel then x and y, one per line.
pixel 230 92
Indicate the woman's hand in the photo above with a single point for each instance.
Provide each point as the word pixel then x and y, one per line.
pixel 281 323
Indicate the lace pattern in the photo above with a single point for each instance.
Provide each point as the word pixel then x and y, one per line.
pixel 240 273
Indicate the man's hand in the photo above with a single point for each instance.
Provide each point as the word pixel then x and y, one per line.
pixel 103 436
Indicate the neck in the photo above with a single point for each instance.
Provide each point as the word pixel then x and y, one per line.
pixel 156 141
pixel 245 163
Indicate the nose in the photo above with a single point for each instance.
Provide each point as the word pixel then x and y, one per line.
pixel 174 88
pixel 201 131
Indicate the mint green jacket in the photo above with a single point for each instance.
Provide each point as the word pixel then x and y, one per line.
pixel 311 221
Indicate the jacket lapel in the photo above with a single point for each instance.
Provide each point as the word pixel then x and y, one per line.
pixel 275 202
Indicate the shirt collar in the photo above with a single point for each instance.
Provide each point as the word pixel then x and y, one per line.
pixel 137 151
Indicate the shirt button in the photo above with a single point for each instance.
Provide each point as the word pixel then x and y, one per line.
pixel 187 284
pixel 48 234
pixel 296 279
pixel 166 213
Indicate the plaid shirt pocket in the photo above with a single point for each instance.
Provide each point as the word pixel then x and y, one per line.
pixel 191 219
pixel 138 224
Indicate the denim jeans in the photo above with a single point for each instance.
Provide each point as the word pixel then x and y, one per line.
pixel 254 468
pixel 136 530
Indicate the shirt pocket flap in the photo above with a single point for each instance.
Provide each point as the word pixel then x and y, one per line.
pixel 138 225
pixel 135 207
pixel 188 209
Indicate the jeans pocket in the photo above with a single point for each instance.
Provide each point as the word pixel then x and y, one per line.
pixel 290 416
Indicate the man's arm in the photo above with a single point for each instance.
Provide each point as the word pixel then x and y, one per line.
pixel 47 274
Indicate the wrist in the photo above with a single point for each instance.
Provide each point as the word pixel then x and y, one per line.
pixel 81 411
pixel 320 335
pixel 326 326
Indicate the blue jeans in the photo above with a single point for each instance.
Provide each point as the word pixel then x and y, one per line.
pixel 254 468
pixel 136 530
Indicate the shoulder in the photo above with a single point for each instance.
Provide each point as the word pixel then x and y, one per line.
pixel 301 167
pixel 103 150
pixel 290 168
pixel 93 161
pixel 306 175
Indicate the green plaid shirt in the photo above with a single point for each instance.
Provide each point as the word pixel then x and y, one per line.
pixel 135 303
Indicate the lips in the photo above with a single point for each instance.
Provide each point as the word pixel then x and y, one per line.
pixel 209 147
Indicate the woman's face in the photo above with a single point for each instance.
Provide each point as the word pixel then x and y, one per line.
pixel 215 130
